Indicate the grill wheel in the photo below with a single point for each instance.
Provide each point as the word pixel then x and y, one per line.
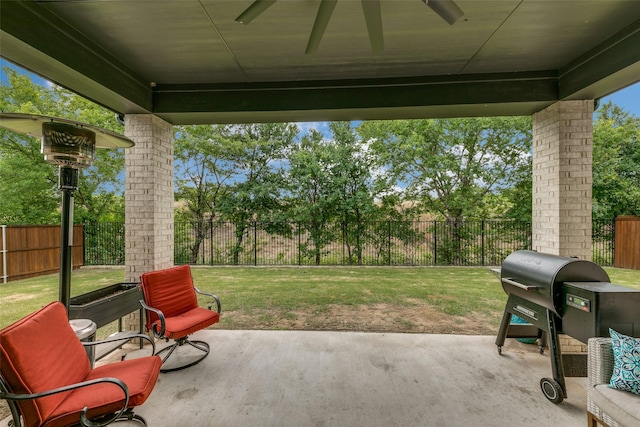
pixel 552 390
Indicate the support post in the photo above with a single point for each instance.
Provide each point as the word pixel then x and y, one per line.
pixel 68 183
pixel 149 227
pixel 562 179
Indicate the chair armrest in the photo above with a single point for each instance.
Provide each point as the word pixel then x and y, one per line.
pixel 212 296
pixel 158 334
pixel 83 415
pixel 116 339
pixel 599 361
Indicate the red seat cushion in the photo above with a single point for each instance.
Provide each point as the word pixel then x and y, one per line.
pixel 187 323
pixel 140 376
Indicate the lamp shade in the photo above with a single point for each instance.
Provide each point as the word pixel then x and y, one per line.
pixel 31 124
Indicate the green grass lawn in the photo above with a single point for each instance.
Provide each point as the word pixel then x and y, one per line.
pixel 399 299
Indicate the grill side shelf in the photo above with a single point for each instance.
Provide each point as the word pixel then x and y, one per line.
pixel 518 284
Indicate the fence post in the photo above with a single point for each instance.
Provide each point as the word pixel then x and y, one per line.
pixel 613 241
pixel 389 241
pixel 299 244
pixel 482 242
pixel 84 247
pixel 202 246
pixel 210 241
pixel 435 242
pixel 4 253
pixel 255 243
pixel 344 240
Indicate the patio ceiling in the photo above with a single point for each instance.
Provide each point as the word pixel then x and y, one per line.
pixel 190 62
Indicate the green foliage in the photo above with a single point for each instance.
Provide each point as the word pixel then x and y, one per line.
pixel 257 153
pixel 351 170
pixel 329 182
pixel 27 187
pixel 312 201
pixel 616 163
pixel 452 165
pixel 204 168
pixel 27 182
pixel 519 199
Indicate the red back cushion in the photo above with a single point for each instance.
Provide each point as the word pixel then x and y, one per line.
pixel 41 352
pixel 170 291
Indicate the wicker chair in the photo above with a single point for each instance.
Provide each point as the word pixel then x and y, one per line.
pixel 606 406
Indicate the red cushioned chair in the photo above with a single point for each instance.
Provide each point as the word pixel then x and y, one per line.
pixel 47 379
pixel 173 313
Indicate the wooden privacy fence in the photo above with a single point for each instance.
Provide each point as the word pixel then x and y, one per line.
pixel 627 248
pixel 34 250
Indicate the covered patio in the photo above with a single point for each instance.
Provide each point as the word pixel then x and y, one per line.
pixel 159 64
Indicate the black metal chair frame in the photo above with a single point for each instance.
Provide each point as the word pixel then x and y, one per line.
pixel 199 345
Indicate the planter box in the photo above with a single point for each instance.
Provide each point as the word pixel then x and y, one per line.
pixel 107 304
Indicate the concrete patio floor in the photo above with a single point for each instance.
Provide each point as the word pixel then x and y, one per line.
pixel 352 379
pixel 297 378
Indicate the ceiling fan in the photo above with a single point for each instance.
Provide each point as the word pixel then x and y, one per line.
pixel 446 9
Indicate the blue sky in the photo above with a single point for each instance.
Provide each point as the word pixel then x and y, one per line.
pixel 627 98
pixel 3 77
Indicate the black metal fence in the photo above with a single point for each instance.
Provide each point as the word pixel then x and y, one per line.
pixel 375 243
pixel 104 243
pixel 603 239
pixel 394 243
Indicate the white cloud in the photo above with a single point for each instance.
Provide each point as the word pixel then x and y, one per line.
pixel 306 127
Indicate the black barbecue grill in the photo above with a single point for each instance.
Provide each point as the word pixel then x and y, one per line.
pixel 557 294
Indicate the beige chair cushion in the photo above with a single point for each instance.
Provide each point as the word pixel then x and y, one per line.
pixel 622 406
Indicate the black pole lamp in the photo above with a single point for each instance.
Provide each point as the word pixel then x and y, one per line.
pixel 70 145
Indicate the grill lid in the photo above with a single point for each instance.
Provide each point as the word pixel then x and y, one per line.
pixel 538 277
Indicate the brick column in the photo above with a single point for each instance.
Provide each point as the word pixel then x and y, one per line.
pixel 562 179
pixel 562 191
pixel 148 198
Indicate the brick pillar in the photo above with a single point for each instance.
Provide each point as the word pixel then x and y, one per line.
pixel 562 179
pixel 148 198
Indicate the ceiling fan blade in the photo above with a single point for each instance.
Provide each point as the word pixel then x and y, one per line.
pixel 254 10
pixel 373 17
pixel 322 19
pixel 447 9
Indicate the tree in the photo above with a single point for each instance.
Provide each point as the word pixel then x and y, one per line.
pixel 29 184
pixel 518 199
pixel 257 155
pixel 616 163
pixel 203 171
pixel 352 170
pixel 333 182
pixel 312 201
pixel 27 187
pixel 451 166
